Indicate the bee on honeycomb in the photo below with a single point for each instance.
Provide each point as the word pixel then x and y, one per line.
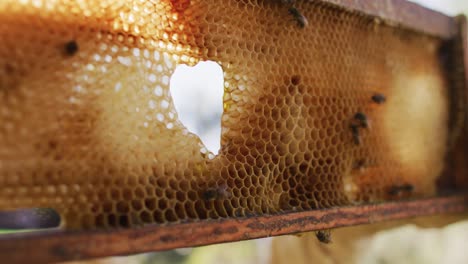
pixel 324 236
pixel 359 121
pixel 359 164
pixel 356 135
pixel 215 193
pixel 378 98
pixel 71 48
pixel 298 16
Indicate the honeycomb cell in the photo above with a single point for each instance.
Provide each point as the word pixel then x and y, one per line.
pixel 88 126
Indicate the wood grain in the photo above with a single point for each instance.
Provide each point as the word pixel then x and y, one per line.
pixel 57 245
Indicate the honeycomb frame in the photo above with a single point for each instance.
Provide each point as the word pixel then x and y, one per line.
pixel 81 128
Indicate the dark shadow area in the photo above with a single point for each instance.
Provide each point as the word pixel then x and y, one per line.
pixel 35 218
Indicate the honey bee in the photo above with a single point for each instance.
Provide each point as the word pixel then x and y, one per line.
pixel 324 236
pixel 238 212
pixel 299 17
pixel 362 119
pixel 405 188
pixel 71 48
pixel 355 132
pixel 378 98
pixel 359 164
pixel 216 193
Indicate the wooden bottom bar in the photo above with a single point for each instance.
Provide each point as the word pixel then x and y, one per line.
pixel 59 245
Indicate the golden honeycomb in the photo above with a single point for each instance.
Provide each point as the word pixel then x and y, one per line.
pixel 88 126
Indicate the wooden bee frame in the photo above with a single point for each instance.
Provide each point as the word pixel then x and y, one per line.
pixel 57 245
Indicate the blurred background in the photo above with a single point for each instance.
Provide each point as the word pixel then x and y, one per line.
pixel 198 100
pixel 450 7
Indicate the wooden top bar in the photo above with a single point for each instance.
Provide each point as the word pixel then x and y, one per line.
pixel 405 14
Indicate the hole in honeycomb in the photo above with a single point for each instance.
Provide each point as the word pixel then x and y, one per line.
pixel 36 218
pixel 197 93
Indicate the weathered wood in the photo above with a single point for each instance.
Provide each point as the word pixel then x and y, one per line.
pixel 405 14
pixel 55 246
